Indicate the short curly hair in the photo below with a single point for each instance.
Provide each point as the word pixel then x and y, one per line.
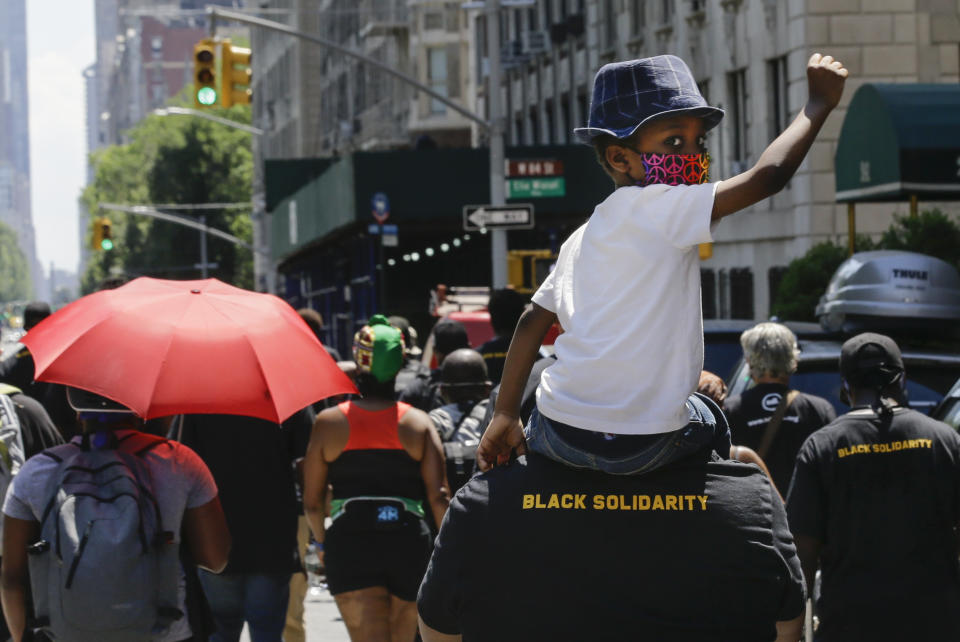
pixel 770 349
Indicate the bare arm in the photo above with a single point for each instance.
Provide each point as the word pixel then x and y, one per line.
pixel 790 630
pixel 505 432
pixel 18 534
pixel 825 79
pixel 315 470
pixel 429 635
pixel 433 470
pixel 205 528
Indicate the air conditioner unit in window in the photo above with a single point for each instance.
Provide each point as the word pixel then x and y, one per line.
pixel 535 42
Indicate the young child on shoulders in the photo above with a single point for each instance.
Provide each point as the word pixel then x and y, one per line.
pixel 626 287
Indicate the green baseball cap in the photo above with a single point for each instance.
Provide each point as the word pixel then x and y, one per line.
pixel 378 349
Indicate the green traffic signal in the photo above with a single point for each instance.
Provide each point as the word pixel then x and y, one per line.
pixel 106 244
pixel 207 96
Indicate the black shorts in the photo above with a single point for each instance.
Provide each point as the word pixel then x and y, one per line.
pixel 358 558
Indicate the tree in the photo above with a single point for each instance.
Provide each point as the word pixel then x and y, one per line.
pixel 932 232
pixel 14 272
pixel 178 159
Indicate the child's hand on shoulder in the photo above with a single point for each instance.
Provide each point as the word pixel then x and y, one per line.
pixel 504 434
pixel 825 79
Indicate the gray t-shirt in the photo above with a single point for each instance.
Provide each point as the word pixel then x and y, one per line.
pixel 181 481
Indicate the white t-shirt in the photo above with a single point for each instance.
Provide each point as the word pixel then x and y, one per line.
pixel 181 481
pixel 626 290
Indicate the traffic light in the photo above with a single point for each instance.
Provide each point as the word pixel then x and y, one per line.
pixel 236 75
pixel 106 233
pixel 205 73
pixel 97 237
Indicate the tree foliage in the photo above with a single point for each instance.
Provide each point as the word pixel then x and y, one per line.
pixel 806 278
pixel 14 272
pixel 174 160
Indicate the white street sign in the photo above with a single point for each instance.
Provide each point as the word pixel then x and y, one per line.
pixel 519 216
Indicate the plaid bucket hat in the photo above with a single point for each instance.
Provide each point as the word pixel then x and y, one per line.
pixel 627 95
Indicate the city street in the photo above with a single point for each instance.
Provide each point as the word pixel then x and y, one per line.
pixel 322 619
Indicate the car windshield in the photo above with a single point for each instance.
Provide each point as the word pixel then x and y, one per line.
pixel 926 384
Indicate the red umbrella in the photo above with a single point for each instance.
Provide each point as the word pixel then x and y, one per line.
pixel 169 347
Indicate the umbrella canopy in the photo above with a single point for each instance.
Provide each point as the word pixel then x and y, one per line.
pixel 169 347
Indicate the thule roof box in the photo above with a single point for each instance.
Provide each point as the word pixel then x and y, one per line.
pixel 892 291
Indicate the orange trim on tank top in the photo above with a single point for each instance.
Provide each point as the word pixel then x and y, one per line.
pixel 373 429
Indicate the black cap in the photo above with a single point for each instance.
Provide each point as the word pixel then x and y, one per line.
pixel 870 359
pixel 34 313
pixel 450 335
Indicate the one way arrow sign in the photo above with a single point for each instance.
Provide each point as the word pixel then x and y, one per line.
pixel 514 216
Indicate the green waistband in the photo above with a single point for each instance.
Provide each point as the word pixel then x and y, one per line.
pixel 337 506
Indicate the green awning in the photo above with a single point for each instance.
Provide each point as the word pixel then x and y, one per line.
pixel 898 141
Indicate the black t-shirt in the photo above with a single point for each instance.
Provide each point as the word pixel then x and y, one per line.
pixel 494 353
pixel 750 413
pixel 18 370
pixel 36 427
pixel 883 498
pixel 699 551
pixel 251 462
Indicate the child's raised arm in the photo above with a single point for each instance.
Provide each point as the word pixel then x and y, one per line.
pixel 825 79
pixel 505 431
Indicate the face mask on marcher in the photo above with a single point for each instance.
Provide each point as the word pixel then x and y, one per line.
pixel 674 169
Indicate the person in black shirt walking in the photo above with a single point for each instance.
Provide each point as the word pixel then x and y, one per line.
pixel 875 503
pixel 756 417
pixel 698 550
pixel 506 307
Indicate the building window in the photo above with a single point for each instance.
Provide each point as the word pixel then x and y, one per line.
pixel 708 293
pixel 584 109
pixel 697 6
pixel 779 112
pixel 667 9
pixel 737 91
pixel 638 17
pixel 518 131
pixel 534 126
pixel 551 122
pixel 564 118
pixel 610 24
pixel 774 277
pixel 453 17
pixel 741 293
pixel 432 20
pixel 437 76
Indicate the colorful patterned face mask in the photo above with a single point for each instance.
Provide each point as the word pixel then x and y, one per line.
pixel 675 169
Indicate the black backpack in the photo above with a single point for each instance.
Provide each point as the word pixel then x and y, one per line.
pixel 460 427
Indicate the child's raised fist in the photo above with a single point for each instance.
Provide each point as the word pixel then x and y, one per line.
pixel 825 78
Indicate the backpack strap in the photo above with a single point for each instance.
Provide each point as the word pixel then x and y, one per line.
pixel 774 424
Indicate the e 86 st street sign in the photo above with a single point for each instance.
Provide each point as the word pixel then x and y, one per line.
pixel 515 216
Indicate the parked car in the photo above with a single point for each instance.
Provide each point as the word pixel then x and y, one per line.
pixel 948 410
pixel 930 373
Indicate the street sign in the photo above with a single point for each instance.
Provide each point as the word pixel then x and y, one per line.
pixel 518 216
pixel 534 167
pixel 380 207
pixel 536 187
pixel 374 228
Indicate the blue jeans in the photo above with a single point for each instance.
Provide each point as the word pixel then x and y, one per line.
pixel 260 599
pixel 631 454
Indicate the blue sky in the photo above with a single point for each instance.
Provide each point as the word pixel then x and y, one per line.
pixel 60 43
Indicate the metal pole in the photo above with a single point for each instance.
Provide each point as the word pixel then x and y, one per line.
pixel 851 227
pixel 914 206
pixel 186 111
pixel 203 246
pixel 498 237
pixel 382 274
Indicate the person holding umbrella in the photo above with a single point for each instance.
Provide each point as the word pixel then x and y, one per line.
pixel 385 463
